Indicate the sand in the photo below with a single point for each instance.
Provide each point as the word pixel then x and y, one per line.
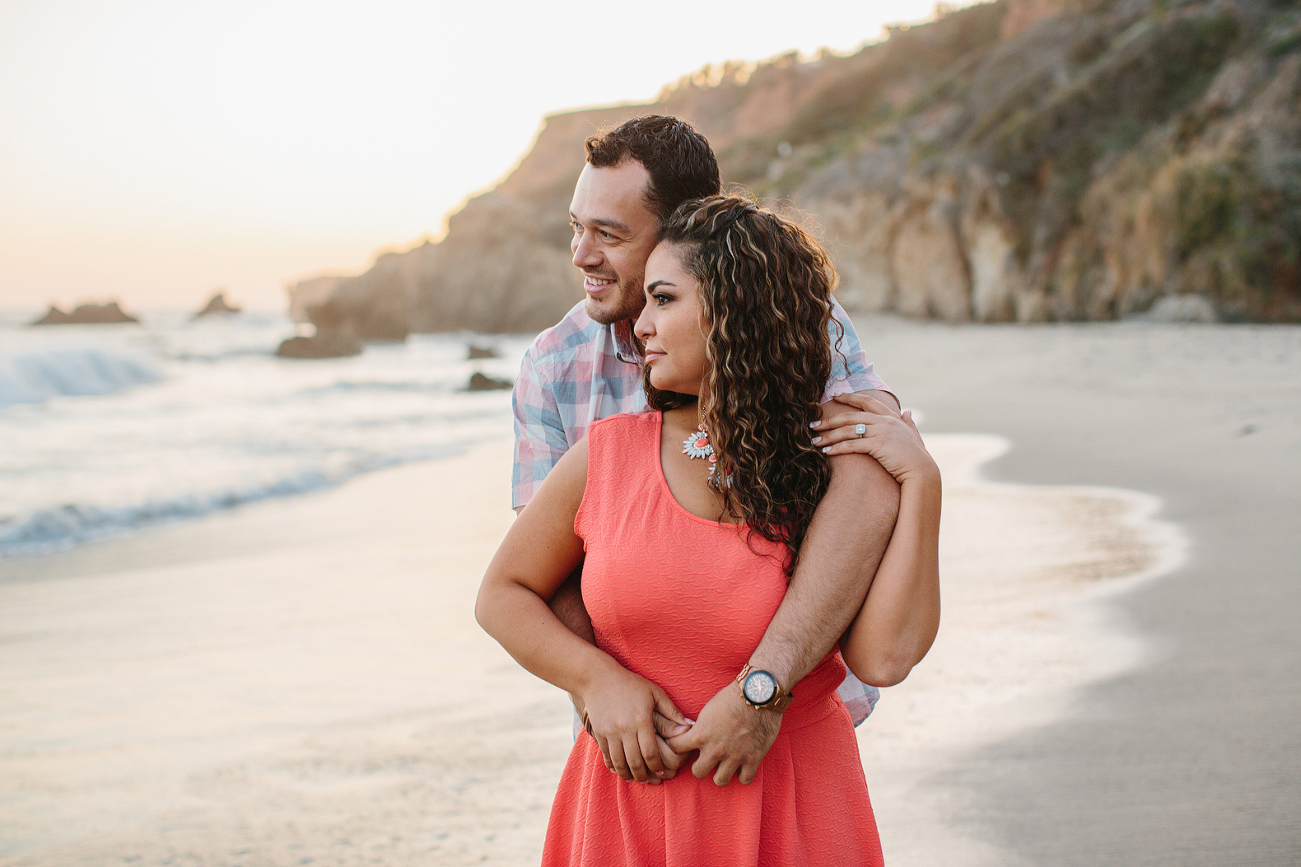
pixel 1189 756
pixel 302 681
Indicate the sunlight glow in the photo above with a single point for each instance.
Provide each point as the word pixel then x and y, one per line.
pixel 152 151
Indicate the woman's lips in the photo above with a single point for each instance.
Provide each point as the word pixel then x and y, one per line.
pixel 649 356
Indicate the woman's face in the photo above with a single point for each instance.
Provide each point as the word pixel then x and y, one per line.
pixel 672 325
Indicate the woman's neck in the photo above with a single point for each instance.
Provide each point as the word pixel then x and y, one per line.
pixel 688 416
pixel 688 478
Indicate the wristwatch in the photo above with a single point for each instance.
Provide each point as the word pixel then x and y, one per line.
pixel 761 691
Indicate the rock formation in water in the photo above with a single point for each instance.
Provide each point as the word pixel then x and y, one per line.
pixel 217 306
pixel 86 314
pixel 1021 160
pixel 483 382
pixel 337 344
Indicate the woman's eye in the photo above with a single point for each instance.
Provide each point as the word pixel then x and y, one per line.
pixel 661 299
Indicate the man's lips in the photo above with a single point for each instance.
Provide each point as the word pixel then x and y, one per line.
pixel 596 285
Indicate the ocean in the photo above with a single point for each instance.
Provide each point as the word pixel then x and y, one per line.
pixel 107 429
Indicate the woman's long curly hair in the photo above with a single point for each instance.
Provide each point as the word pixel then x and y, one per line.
pixel 765 286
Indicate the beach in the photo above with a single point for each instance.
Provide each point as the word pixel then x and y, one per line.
pixel 301 680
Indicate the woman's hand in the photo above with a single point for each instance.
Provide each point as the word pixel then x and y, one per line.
pixel 886 435
pixel 630 718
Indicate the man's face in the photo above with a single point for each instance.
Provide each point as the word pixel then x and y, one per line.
pixel 614 233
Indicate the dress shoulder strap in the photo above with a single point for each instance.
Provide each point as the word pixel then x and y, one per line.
pixel 622 457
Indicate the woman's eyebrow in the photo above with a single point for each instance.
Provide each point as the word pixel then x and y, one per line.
pixel 659 283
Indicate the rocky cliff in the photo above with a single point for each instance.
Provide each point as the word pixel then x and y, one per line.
pixel 1021 160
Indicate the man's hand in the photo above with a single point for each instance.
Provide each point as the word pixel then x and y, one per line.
pixel 666 728
pixel 732 736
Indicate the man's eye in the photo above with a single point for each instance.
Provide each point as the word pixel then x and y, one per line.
pixel 577 228
pixel 604 234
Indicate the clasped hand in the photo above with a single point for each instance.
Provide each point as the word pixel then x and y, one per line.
pixel 630 718
pixel 732 737
pixel 643 736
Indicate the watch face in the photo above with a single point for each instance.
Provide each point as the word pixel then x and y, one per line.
pixel 760 687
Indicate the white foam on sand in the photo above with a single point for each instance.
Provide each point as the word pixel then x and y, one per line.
pixel 318 691
pixel 1024 573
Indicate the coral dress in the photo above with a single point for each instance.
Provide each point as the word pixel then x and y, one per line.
pixel 683 601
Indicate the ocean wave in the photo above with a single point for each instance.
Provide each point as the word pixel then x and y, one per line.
pixel 382 386
pixel 221 355
pixel 74 372
pixel 64 526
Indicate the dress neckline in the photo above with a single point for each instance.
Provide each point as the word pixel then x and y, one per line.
pixel 664 481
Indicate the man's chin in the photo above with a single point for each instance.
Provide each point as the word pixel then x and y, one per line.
pixel 604 313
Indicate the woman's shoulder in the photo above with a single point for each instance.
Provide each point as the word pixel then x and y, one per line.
pixel 621 443
pixel 625 423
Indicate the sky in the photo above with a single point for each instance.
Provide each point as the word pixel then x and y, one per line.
pixel 155 151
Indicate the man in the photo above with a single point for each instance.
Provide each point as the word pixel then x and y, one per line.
pixel 585 368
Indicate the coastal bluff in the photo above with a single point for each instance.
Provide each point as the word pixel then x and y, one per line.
pixel 1020 160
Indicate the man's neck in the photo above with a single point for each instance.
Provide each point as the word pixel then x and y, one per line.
pixel 625 342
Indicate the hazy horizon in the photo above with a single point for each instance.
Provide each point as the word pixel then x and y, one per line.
pixel 155 153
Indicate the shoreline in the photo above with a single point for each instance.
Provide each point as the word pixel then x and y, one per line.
pixel 1185 758
pixel 1028 573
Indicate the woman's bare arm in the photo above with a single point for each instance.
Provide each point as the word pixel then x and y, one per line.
pixel 899 619
pixel 537 555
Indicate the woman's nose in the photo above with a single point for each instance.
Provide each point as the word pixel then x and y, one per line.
pixel 643 327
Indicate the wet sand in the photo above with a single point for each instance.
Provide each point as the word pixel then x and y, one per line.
pixel 1188 757
pixel 302 682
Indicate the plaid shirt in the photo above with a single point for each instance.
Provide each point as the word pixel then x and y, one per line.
pixel 580 370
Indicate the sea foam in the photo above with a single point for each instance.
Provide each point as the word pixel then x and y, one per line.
pixel 57 527
pixel 35 377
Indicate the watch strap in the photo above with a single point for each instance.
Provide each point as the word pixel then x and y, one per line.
pixel 780 700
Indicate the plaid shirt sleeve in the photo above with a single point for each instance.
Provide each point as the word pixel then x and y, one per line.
pixel 539 431
pixel 850 369
pixel 860 699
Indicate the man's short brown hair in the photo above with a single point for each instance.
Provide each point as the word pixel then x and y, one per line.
pixel 679 160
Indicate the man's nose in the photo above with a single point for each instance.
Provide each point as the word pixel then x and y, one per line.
pixel 585 252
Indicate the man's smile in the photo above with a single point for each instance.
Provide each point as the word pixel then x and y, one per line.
pixel 596 285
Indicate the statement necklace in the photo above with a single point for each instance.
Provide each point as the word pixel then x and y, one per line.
pixel 697 446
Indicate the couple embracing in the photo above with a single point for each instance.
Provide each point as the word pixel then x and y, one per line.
pixel 721 510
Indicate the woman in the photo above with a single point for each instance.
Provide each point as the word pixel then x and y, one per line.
pixel 691 520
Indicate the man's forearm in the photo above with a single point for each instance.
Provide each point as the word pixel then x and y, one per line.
pixel 567 605
pixel 842 549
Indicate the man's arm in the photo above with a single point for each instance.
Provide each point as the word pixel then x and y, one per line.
pixel 540 441
pixel 846 539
